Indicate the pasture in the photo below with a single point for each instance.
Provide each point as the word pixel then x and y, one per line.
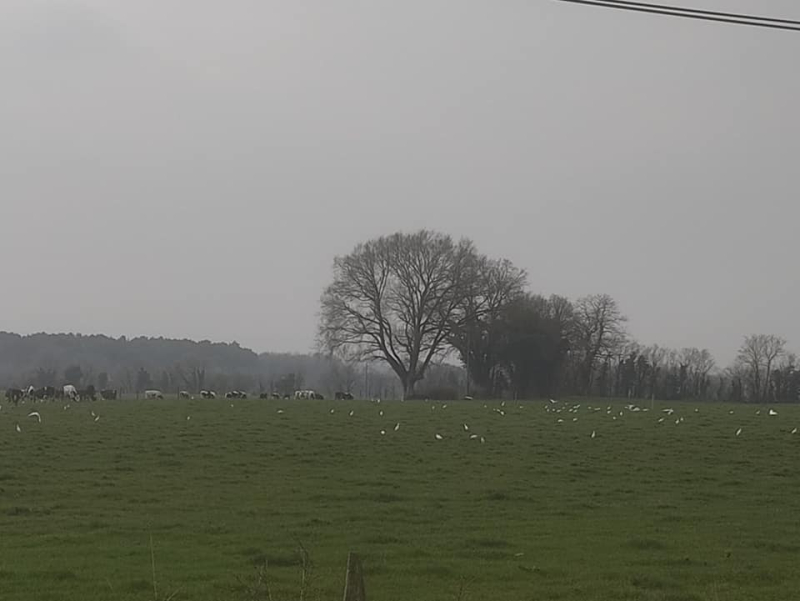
pixel 643 511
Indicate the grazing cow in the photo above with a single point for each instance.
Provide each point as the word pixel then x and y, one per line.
pixel 343 396
pixel 276 395
pixel 88 394
pixel 109 395
pixel 307 394
pixel 317 396
pixel 184 395
pixel 14 395
pixel 205 394
pixel 153 394
pixel 70 392
pixel 263 396
pixel 235 394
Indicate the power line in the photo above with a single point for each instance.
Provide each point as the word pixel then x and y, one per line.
pixel 690 13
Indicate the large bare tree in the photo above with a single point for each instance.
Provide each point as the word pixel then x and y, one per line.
pixel 395 298
pixel 758 355
pixel 599 333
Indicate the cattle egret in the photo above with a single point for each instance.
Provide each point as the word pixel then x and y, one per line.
pixel 332 410
pixel 503 404
pixel 36 415
pixel 661 420
pixel 231 405
pixel 383 432
pixel 93 413
pixel 574 419
pixel 794 431
pixel 97 418
pixel 503 413
pixel 473 437
pixel 466 428
pixel 483 440
pixel 730 412
pixel 444 406
pixel 397 426
pixel 559 421
pixel 352 413
pixel 697 411
pixel 18 428
pixel 188 417
pixel 773 412
pixel 758 412
pixel 380 413
pixel 668 411
pixel 614 418
pixel 552 401
pixel 280 410
pixel 593 433
pixel 739 431
pixel 677 421
pixel 438 437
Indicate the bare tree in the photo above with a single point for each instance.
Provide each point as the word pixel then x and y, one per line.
pixel 758 355
pixel 393 299
pixel 599 333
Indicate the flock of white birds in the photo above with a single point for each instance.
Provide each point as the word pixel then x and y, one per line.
pixel 559 409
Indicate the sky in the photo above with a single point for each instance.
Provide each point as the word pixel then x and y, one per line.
pixel 191 169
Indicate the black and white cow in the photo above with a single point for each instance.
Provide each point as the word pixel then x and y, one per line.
pixel 184 395
pixel 14 395
pixel 343 396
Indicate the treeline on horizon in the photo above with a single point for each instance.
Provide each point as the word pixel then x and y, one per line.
pixel 408 299
pixel 132 365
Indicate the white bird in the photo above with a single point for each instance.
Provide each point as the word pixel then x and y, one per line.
pixel 332 410
pixel 503 413
pixel 677 421
pixel 773 412
pixel 466 428
pixel 473 437
pixel 559 421
pixel 739 431
pixel 397 426
pixel 503 404
pixel 593 433
pixel 383 432
pixel 438 437
pixel 93 413
pixel 280 410
pixel 661 420
pixel 231 404
pixel 188 417
pixel 518 554
pixel 794 431
pixel 552 401
pixel 18 428
pixel 444 406
pixel 352 413
pixel 668 411
pixel 574 419
pixel 380 413
pixel 483 440
pixel 97 418
pixel 36 415
pixel 730 412
pixel 758 412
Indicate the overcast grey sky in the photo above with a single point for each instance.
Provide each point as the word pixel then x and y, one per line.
pixel 190 169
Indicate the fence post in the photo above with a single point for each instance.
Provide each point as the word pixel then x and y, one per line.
pixel 354 580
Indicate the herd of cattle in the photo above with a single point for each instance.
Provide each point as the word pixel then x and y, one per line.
pixel 70 393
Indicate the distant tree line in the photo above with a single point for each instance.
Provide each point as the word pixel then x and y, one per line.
pixel 410 300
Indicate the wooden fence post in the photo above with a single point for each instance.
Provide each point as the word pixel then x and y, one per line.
pixel 354 580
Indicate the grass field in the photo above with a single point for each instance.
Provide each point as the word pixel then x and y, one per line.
pixel 643 511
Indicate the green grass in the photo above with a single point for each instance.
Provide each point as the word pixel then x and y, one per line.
pixel 541 511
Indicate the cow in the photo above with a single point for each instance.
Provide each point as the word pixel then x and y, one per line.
pixel 235 394
pixel 88 394
pixel 208 394
pixel 184 395
pixel 276 395
pixel 29 393
pixel 70 392
pixel 14 395
pixel 263 396
pixel 343 396
pixel 307 394
pixel 109 395
pixel 153 394
pixel 317 396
